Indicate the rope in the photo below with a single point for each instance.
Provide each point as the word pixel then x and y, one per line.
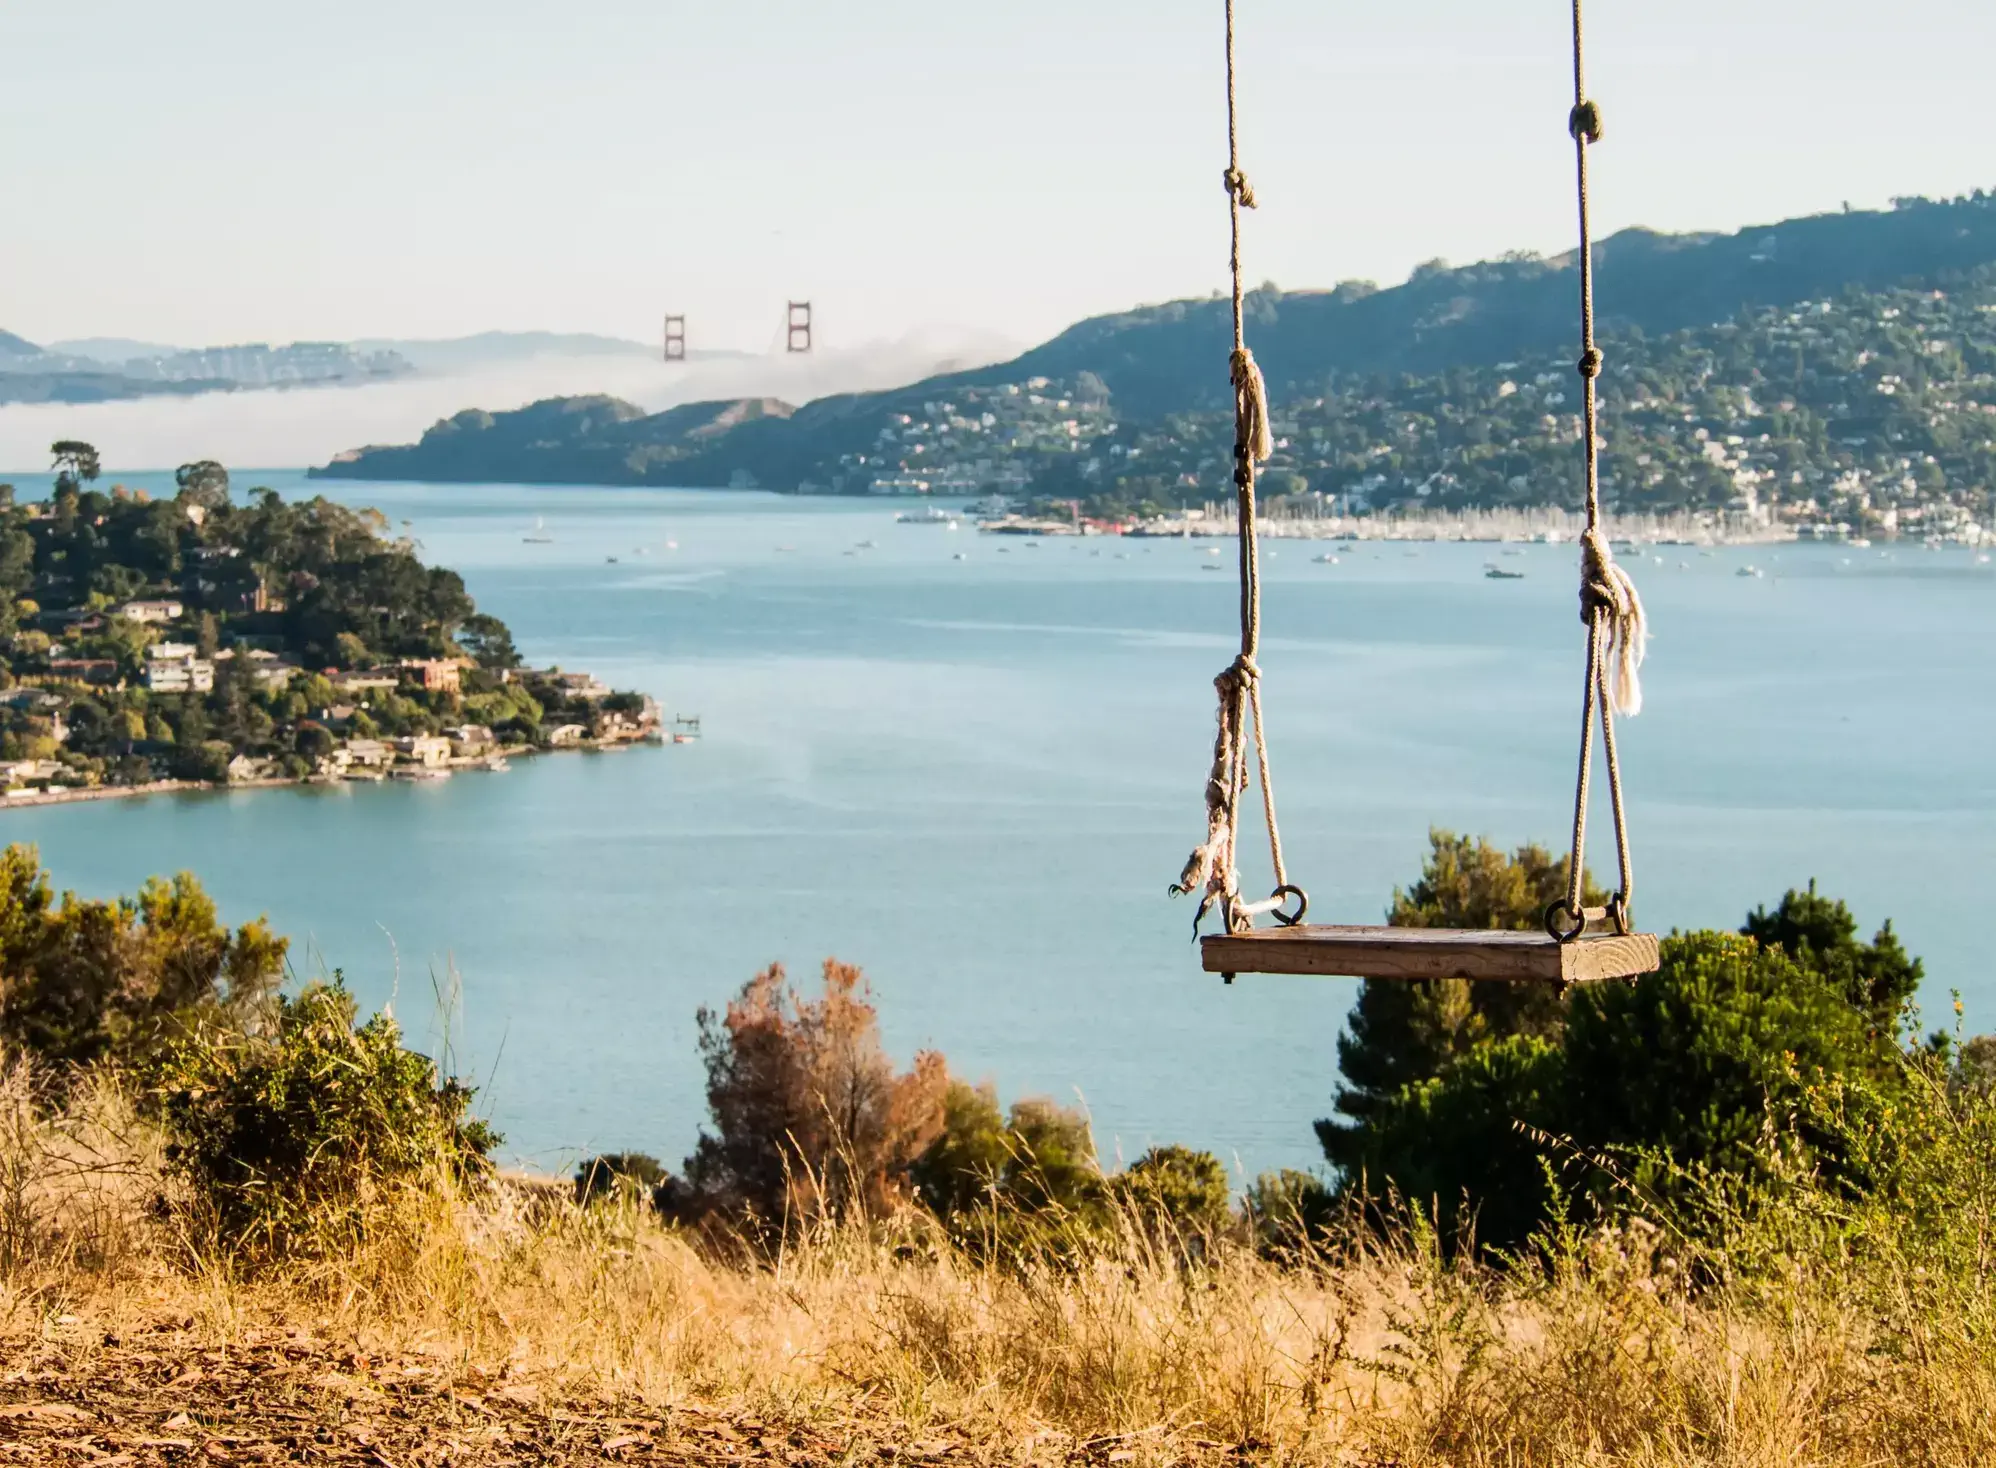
pixel 1617 628
pixel 1213 868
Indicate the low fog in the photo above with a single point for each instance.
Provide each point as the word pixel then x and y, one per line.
pixel 299 427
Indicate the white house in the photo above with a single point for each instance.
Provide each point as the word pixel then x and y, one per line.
pixel 151 611
pixel 184 675
pixel 427 750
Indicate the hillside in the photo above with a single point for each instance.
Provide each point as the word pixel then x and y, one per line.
pixel 1814 366
pixel 585 440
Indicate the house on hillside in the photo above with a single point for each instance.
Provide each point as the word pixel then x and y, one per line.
pixel 471 739
pixel 152 612
pixel 428 750
pixel 179 675
pixel 371 680
pixel 566 734
pixel 365 754
pixel 435 675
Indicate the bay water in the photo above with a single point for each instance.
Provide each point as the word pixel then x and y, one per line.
pixel 972 765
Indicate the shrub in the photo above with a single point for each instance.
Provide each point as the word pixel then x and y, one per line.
pixel 1686 1070
pixel 290 1143
pixel 1699 1060
pixel 614 1174
pixel 1179 1187
pixel 809 1116
pixel 1288 1211
pixel 82 981
pixel 1455 1146
pixel 1024 1183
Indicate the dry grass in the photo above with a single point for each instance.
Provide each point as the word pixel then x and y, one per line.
pixel 519 1329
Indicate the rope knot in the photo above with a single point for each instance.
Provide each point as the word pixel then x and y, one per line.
pixel 1584 122
pixel 1606 590
pixel 1237 185
pixel 1253 440
pixel 1589 365
pixel 1239 676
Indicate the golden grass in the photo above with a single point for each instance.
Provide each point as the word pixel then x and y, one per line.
pixel 1384 1354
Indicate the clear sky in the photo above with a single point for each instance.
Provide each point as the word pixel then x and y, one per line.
pixel 223 170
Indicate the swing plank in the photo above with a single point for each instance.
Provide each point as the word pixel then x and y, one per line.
pixel 1427 953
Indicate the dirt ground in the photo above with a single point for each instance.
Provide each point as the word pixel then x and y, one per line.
pixel 160 1395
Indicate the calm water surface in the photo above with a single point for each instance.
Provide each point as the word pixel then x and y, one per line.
pixel 975 778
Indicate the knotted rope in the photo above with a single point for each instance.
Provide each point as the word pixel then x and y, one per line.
pixel 1213 868
pixel 1617 628
pixel 1607 591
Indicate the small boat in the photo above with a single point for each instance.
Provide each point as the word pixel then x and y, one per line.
pixel 1324 560
pixel 1858 542
pixel 684 738
pixel 609 560
pixel 1497 573
pixel 866 545
pixel 1209 566
pixel 927 515
pixel 1749 571
pixel 540 535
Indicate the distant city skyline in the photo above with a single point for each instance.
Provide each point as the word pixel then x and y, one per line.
pixel 224 171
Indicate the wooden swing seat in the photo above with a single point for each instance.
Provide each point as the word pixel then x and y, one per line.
pixel 1428 953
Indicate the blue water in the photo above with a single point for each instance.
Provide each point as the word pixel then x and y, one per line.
pixel 975 778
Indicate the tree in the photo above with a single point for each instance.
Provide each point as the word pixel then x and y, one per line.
pixel 1878 977
pixel 203 482
pixel 488 642
pixel 76 464
pixel 809 1117
pixel 82 981
pixel 1404 1032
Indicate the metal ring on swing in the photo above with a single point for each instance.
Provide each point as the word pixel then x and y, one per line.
pixel 1618 913
pixel 1559 931
pixel 1270 905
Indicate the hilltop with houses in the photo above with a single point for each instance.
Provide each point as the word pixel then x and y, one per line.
pixel 196 640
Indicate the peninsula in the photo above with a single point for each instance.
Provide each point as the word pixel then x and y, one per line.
pixel 165 643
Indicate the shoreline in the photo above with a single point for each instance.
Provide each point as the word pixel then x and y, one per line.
pixel 81 794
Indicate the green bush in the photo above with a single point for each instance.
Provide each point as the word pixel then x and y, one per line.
pixel 290 1143
pixel 1686 1070
pixel 1017 1182
pixel 84 981
pixel 1177 1188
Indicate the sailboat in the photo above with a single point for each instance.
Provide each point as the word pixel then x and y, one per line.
pixel 540 535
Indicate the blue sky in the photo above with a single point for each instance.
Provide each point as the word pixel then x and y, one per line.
pixel 225 170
